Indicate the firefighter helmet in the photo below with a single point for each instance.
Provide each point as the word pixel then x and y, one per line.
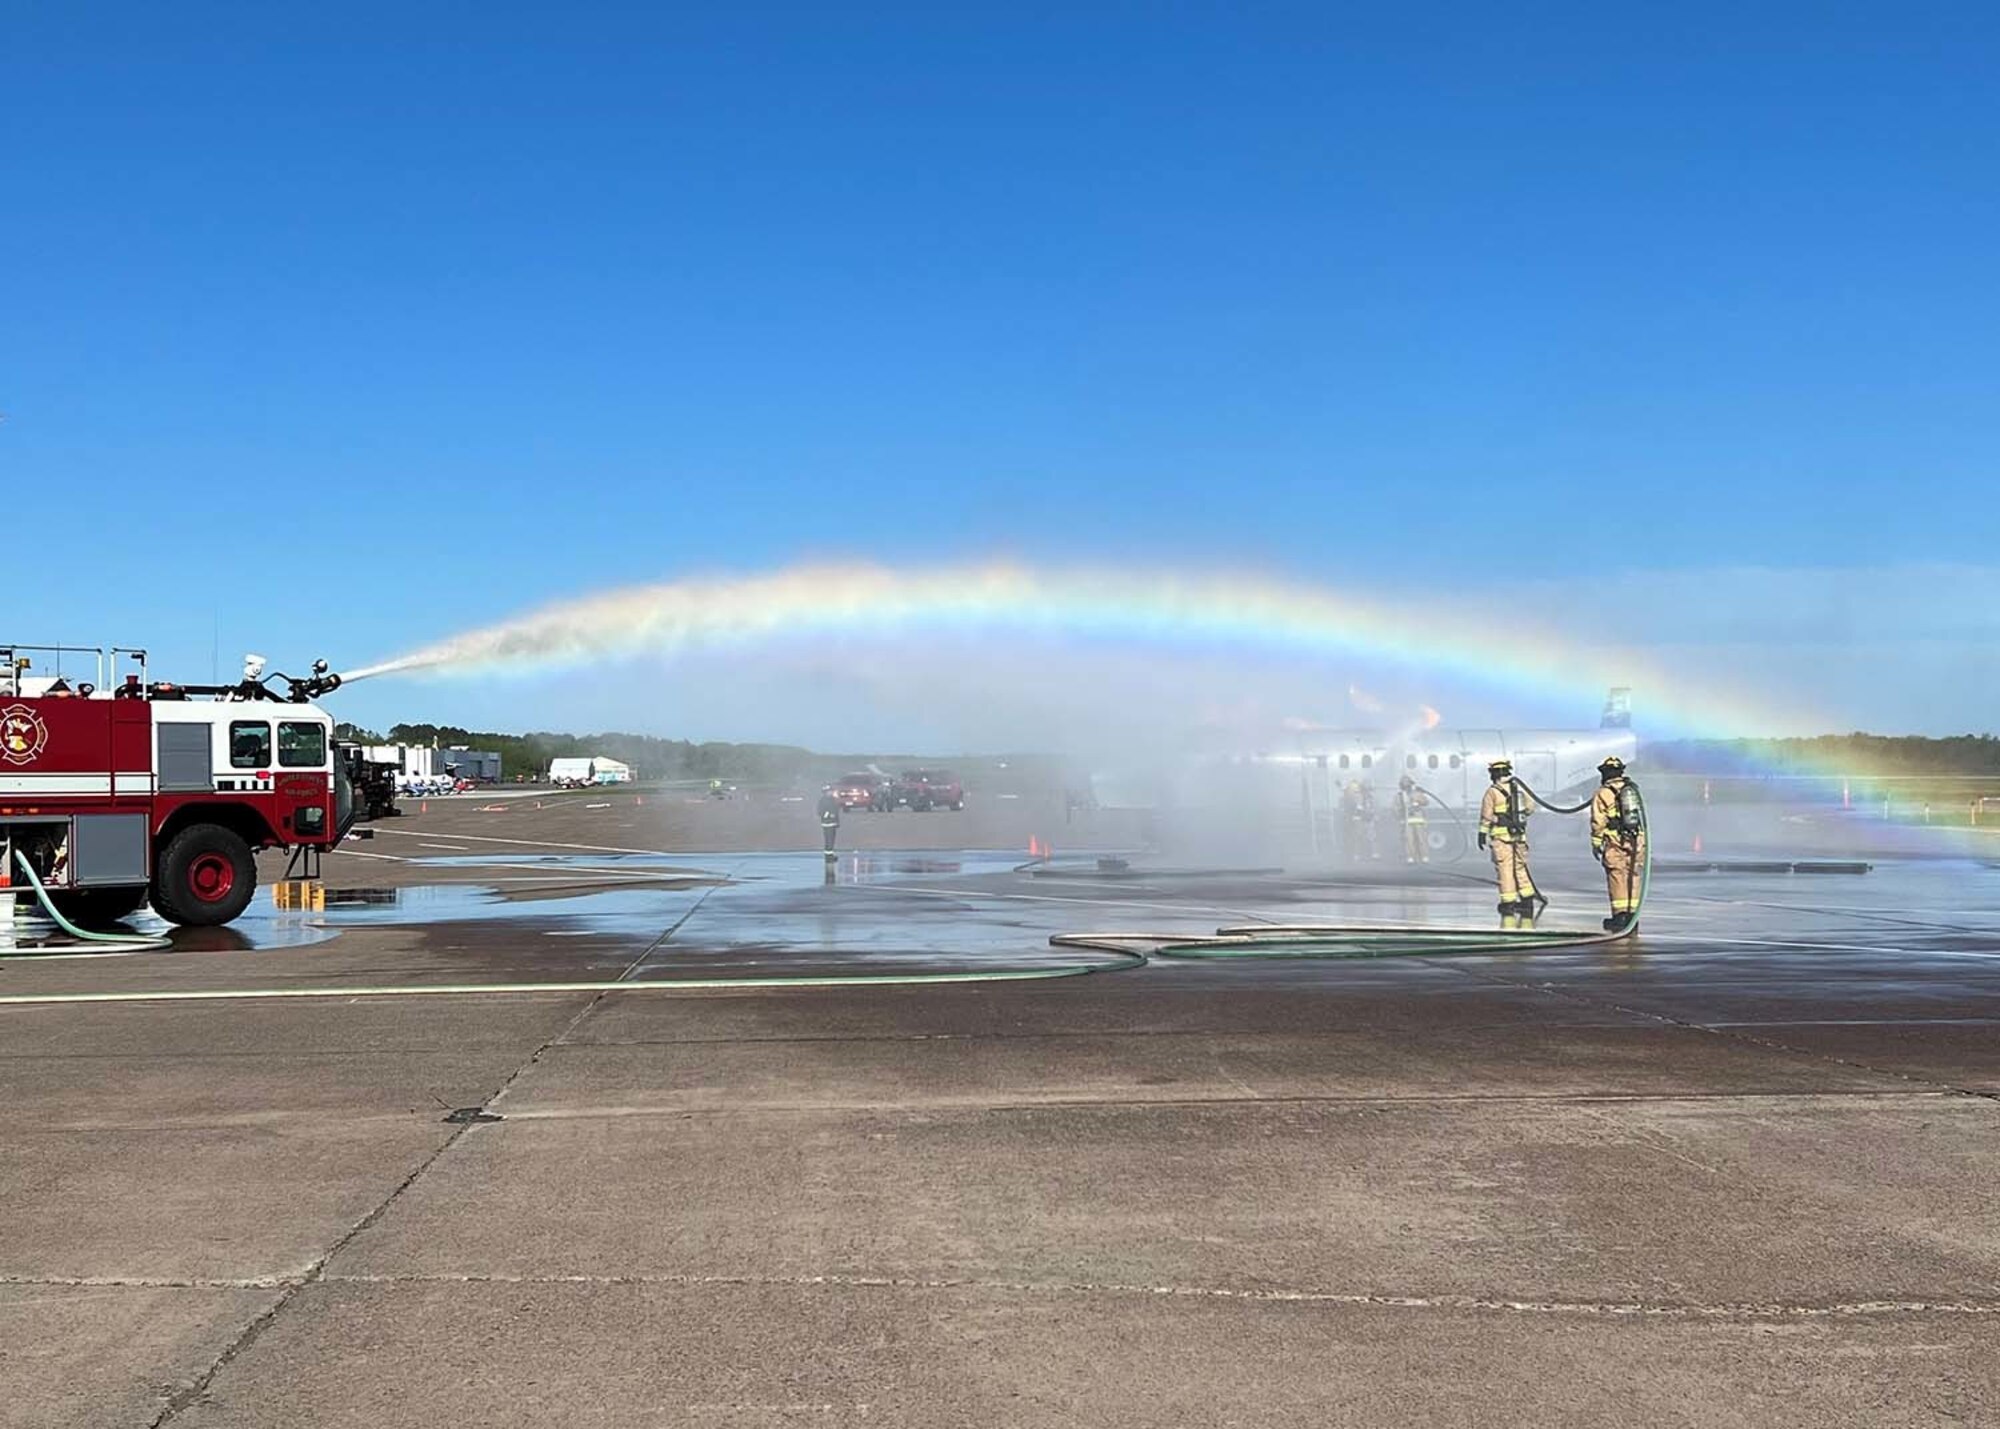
pixel 1612 766
pixel 1500 766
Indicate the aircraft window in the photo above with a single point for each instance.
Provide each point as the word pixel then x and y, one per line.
pixel 1367 761
pixel 1456 761
pixel 1343 761
pixel 1409 761
pixel 1434 761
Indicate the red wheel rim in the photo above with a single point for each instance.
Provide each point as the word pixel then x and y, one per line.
pixel 210 877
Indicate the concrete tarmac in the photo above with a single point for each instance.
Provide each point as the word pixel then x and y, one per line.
pixel 1738 1170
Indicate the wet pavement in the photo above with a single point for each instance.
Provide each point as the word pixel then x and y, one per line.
pixel 1739 1169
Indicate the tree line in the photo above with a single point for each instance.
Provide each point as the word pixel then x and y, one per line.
pixel 1879 754
pixel 651 757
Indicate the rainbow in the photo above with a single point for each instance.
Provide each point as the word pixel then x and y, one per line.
pixel 1135 604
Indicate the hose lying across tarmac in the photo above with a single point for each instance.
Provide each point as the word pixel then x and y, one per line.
pixel 1334 940
pixel 1111 951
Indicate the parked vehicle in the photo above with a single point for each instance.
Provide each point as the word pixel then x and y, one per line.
pixel 926 789
pixel 374 783
pixel 864 791
pixel 152 792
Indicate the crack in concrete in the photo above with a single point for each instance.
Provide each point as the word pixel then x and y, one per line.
pixel 1504 1304
pixel 1667 1309
pixel 195 1391
pixel 1226 1100
pixel 157 1282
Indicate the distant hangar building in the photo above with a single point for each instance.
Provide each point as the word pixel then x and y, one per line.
pixel 422 761
pixel 482 766
pixel 595 769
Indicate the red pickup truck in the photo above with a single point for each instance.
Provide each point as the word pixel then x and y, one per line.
pixel 924 789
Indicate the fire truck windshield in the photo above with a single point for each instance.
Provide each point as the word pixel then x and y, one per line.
pixel 301 744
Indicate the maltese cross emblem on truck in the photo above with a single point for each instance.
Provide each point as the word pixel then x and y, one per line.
pixel 22 735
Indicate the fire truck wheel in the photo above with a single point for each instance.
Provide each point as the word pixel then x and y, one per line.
pixel 204 877
pixel 98 907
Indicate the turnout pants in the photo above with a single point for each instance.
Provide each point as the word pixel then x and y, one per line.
pixel 1416 841
pixel 1624 864
pixel 1510 862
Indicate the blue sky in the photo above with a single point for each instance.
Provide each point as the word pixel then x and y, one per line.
pixel 543 301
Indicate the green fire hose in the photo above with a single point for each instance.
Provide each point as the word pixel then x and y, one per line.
pixel 131 942
pixel 1333 941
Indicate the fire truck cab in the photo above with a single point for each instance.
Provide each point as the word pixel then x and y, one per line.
pixel 162 793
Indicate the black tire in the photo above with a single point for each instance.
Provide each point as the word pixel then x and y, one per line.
pixel 98 907
pixel 203 877
pixel 956 807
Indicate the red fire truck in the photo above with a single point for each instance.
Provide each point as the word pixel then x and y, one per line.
pixel 161 793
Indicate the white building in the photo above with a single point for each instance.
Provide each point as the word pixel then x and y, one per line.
pixel 597 769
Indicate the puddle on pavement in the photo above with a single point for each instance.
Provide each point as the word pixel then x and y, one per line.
pixel 616 863
pixel 260 927
pixel 770 912
pixel 637 912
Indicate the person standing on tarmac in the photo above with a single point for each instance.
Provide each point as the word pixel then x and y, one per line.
pixel 1618 841
pixel 1503 828
pixel 1410 806
pixel 1353 829
pixel 829 817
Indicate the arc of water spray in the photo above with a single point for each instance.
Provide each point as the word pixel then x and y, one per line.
pixel 1145 604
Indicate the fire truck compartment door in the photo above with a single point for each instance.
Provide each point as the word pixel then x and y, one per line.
pixel 187 761
pixel 108 850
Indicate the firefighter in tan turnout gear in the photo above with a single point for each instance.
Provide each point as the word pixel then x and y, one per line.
pixel 1410 806
pixel 1503 828
pixel 1618 840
